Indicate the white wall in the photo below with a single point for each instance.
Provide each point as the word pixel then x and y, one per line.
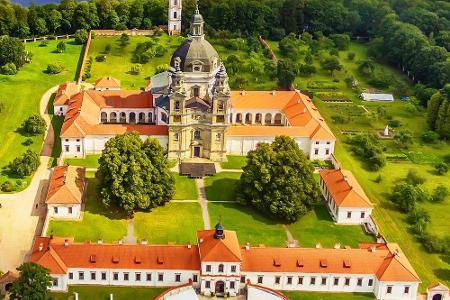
pixel 60 110
pixel 398 291
pixel 63 211
pixel 355 216
pixel 238 145
pixel 321 147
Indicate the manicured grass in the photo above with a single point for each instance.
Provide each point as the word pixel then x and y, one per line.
pixel 234 162
pixel 118 62
pixel 174 222
pixel 250 225
pixel 21 94
pixel 90 161
pixel 98 222
pixel 222 186
pixel 57 123
pixel 102 293
pixel 327 296
pixel 318 227
pixel 185 188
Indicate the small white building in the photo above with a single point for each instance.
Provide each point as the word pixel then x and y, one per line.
pixel 438 291
pixel 345 198
pixel 66 192
pixel 377 97
pixel 65 91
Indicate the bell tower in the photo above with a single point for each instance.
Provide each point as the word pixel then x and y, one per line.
pixel 174 25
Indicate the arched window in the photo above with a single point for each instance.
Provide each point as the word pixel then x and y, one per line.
pixel 239 118
pixel 174 14
pixel 196 90
pixel 197 134
pixel 113 117
pixel 141 117
pixel 221 268
pixel 177 105
pixel 132 119
pixel 150 117
pixel 220 105
pixel 164 117
pixel 218 137
pixel 268 119
pixel 176 136
pixel 248 118
pixel 278 118
pixel 258 119
pixel 123 117
pixel 104 117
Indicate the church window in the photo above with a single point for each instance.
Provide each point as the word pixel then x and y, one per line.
pixel 113 117
pixel 160 277
pixel 313 280
pixel 239 118
pixel 123 117
pixel 196 92
pixel 389 290
pixel 164 117
pixel 150 117
pixel 231 284
pixel 220 119
pixel 207 284
pixel 176 119
pixel 289 280
pixel 260 279
pixel 55 282
pixel 132 119
pixel 175 2
pixel 218 137
pixel 141 117
pixel 221 268
pixel 78 148
pixel 243 279
pixel 278 119
pixel 406 290
pixel 370 282
pixel 258 119
pixel 233 269
pixel 67 148
pixel 349 214
pixel 220 105
pixel 177 277
pixel 208 268
pixel 194 278
pixel 327 151
pixel 363 215
pixel 174 27
pixel 248 118
pixel 177 105
pixel 197 134
pixel 104 117
pixel 277 279
pixel 174 14
pixel 55 209
pixel 316 151
pixel 176 137
pixel 268 119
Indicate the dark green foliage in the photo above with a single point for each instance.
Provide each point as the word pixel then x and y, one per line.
pixel 430 137
pixel 419 220
pixel 403 138
pixel 8 69
pixel 25 164
pixel 8 187
pixel 339 119
pixel 161 68
pixel 100 58
pixel 331 64
pixel 341 41
pixel 285 73
pixel 232 64
pixel 368 148
pixel 423 93
pixel 81 36
pixel 27 142
pixel 278 180
pixel 108 48
pixel 440 193
pixel 406 196
pixel 394 123
pixel 414 178
pixel 160 50
pixel 439 113
pixel 441 168
pixel 435 244
pixel 61 47
pixel 124 40
pixel 34 125
pixel 33 282
pixel 55 68
pixel 306 70
pixel 351 55
pixel 134 174
pixel 43 43
pixel 12 50
pixel 290 46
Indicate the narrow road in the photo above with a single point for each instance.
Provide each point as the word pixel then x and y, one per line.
pixel 290 238
pixel 203 202
pixel 21 212
pixel 130 238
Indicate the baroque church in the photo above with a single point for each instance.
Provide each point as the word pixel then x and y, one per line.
pixel 190 109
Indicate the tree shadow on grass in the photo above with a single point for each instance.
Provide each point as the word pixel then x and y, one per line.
pixel 322 213
pixel 223 189
pixel 249 210
pixel 446 258
pixel 443 274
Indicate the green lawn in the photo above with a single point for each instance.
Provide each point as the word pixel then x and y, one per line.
pixel 318 227
pixel 185 188
pixel 118 61
pixel 102 293
pixel 57 123
pixel 90 161
pixel 21 94
pixel 174 222
pixel 234 162
pixel 222 186
pixel 250 225
pixel 98 222
pixel 327 296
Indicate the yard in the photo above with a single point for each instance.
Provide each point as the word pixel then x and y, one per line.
pixel 90 161
pixel 234 162
pixel 118 61
pixel 185 188
pixel 20 97
pixel 174 222
pixel 102 293
pixel 318 227
pixel 250 225
pixel 327 296
pixel 98 222
pixel 222 186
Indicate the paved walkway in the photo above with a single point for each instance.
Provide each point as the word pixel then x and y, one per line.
pixel 130 238
pixel 19 217
pixel 290 238
pixel 203 202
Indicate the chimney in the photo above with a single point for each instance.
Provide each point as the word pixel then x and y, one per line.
pixel 65 176
pixel 99 241
pixel 109 77
pixel 247 246
pixel 273 93
pixel 120 242
pixel 304 110
pixel 337 246
pixel 243 93
pixel 318 246
pixel 373 249
pixel 144 242
pixel 345 178
pixel 189 245
pixel 201 241
pixel 41 247
pixel 66 243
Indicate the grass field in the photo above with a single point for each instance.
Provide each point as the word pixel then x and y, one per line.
pixel 118 62
pixel 90 161
pixel 98 222
pixel 102 293
pixel 174 222
pixel 21 94
pixel 57 123
pixel 185 188
pixel 327 296
pixel 318 227
pixel 222 186
pixel 250 225
pixel 234 162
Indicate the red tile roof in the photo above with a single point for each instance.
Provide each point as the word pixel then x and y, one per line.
pixel 67 185
pixel 107 82
pixel 216 250
pixel 345 189
pixel 65 91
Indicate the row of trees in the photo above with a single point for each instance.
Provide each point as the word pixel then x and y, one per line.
pixel 439 112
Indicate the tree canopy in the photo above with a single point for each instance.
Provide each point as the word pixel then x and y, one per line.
pixel 33 283
pixel 134 174
pixel 278 180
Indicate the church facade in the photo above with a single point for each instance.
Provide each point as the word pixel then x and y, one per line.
pixel 191 110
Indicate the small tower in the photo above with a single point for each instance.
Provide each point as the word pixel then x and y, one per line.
pixel 219 234
pixel 197 24
pixel 174 25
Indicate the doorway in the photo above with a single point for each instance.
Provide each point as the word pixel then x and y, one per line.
pixel 196 151
pixel 437 297
pixel 220 287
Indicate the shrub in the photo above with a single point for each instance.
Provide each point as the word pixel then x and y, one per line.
pixel 160 51
pixel 161 68
pixel 27 142
pixel 378 179
pixel 351 55
pixel 124 40
pixel 430 137
pixel 446 158
pixel 349 81
pixel 35 124
pixel 61 47
pixel 341 41
pixel 441 168
pixel 419 219
pixel 307 70
pixel 100 58
pixel 81 36
pixel 368 148
pixel 394 123
pixel 136 69
pixel 8 186
pixel 43 43
pixel 55 68
pixel 433 244
pixel 9 69
pixel 339 119
pixel 440 193
pixel 108 48
pixel 25 164
pixel 414 178
pixel 277 33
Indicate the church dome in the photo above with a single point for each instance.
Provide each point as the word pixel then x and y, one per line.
pixel 196 55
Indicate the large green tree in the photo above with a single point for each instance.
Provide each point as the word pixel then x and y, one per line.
pixel 134 174
pixel 278 180
pixel 32 284
pixel 12 51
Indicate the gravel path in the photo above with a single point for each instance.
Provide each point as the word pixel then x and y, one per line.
pixel 203 202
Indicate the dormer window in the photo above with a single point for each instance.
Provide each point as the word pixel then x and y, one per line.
pixel 197 135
